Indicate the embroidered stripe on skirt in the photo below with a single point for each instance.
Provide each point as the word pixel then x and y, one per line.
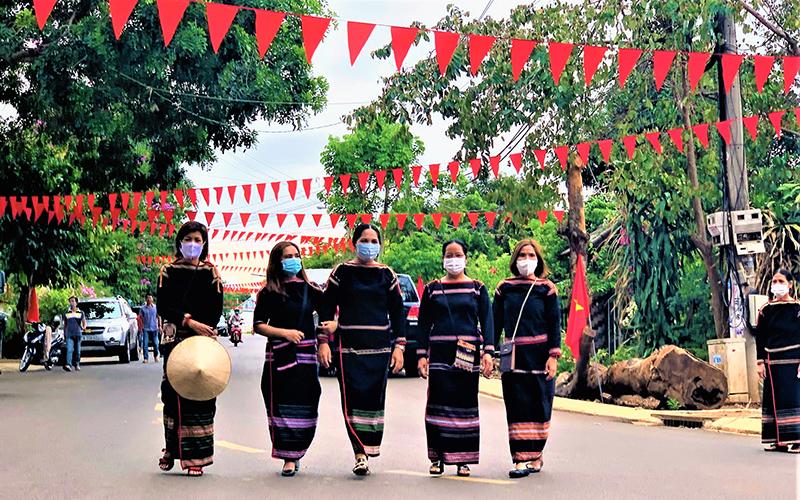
pixel 529 404
pixel 452 425
pixel 780 408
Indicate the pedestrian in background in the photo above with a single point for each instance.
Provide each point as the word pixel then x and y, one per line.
pixel 370 338
pixel 284 314
pixel 190 300
pixel 151 326
pixel 74 325
pixel 777 335
pixel 527 309
pixel 456 344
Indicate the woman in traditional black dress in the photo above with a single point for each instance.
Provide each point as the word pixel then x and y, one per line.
pixel 527 308
pixel 189 302
pixel 369 339
pixel 778 350
pixel 456 343
pixel 290 385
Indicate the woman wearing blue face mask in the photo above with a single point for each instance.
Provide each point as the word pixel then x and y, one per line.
pixel 285 315
pixel 369 339
pixel 189 302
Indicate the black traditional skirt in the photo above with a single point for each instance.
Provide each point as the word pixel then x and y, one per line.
pixel 188 425
pixel 780 408
pixel 291 390
pixel 529 404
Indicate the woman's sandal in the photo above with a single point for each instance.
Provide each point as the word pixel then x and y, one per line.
pixel 361 468
pixel 194 471
pixel 290 472
pixel 437 468
pixel 517 473
pixel 793 448
pixel 775 447
pixel 166 462
pixel 463 470
pixel 535 465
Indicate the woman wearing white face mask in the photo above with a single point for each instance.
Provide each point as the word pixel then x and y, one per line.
pixel 189 302
pixel 778 350
pixel 369 338
pixel 455 316
pixel 527 308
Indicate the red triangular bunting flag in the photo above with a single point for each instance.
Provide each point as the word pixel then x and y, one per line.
pixel 263 218
pixel 232 193
pixel 226 218
pixel 662 62
pixel 299 218
pixel 562 153
pixel 445 43
pixel 520 53
pixel 402 38
pixel 419 220
pixel 170 13
pixel 380 177
pixel 351 220
pixel 791 65
pixel 335 219
pixel 541 155
pixel 652 137
pixel 701 132
pixel 206 192
pixel 697 66
pixel 281 218
pixel 775 118
pixel 583 151
pixel 267 25
pixel 559 215
pixel 751 124
pixel 276 189
pixel 454 167
pixel 261 188
pixel 366 218
pixel 384 218
pixel 494 165
pixel 125 198
pixel 247 190
pixel 437 220
pixel 397 173
pixel 209 217
pixel 433 169
pixel 542 214
pixel 416 171
pixel 292 187
pixel 245 217
pixel 317 218
pixel 490 217
pixel 112 199
pixel 763 67
pixel 357 36
pixel 676 134
pixel 363 179
pixel 120 11
pixel 475 165
pixel 401 220
pixel 730 68
pixel 479 46
pixel 559 56
pixel 307 187
pixel 179 197
pixel 592 57
pixel 627 59
pixel 630 145
pixel 516 160
pixel 220 17
pixel 313 30
pixel 473 218
pixel 43 9
pixel 455 218
pixel 345 180
pixel 191 214
pixel 218 191
pixel 724 129
pixel 328 180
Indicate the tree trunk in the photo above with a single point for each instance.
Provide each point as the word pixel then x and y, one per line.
pixel 700 236
pixel 22 308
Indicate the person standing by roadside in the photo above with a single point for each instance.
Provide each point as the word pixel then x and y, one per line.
pixel 457 334
pixel 74 325
pixel 527 308
pixel 151 326
pixel 777 335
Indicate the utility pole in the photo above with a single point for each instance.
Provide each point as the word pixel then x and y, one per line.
pixel 740 279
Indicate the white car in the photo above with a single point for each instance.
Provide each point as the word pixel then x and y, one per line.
pixel 111 329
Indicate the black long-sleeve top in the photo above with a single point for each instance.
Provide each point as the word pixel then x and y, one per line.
pixel 777 327
pixel 452 311
pixel 370 306
pixel 184 288
pixel 539 334
pixel 286 311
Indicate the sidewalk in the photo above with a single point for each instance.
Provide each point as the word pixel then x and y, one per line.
pixel 738 421
pixel 12 365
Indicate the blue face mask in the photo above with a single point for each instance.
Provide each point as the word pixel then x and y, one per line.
pixel 368 251
pixel 292 266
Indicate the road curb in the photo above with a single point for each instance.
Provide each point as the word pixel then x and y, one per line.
pixel 712 421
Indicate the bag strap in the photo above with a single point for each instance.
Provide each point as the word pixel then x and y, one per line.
pixel 522 308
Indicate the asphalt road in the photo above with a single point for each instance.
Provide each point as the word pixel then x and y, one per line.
pixel 97 434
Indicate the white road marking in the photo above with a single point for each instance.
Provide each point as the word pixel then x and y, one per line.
pixel 454 478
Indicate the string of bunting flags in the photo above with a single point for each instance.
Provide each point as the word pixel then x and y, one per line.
pixel 220 18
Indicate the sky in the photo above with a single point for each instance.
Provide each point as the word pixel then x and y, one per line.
pixel 282 154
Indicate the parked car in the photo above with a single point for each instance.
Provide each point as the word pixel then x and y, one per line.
pixel 410 310
pixel 222 326
pixel 111 329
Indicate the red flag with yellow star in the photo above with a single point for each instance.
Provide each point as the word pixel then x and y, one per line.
pixel 578 309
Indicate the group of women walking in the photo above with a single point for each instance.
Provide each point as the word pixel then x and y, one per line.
pixel 360 330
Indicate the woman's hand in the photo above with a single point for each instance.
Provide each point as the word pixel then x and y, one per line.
pixel 201 329
pixel 397 360
pixel 324 355
pixel 422 367
pixel 487 365
pixel 762 370
pixel 551 367
pixel 294 336
pixel 329 327
pixel 552 286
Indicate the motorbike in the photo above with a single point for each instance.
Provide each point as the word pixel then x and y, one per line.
pixel 34 348
pixel 236 332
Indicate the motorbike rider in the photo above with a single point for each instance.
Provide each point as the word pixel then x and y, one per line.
pixel 236 320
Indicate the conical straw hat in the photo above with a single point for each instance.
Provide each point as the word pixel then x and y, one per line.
pixel 199 368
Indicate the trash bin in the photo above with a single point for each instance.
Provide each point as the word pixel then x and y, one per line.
pixel 730 356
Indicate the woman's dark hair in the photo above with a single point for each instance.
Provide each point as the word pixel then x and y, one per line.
pixel 275 273
pixel 73 297
pixel 786 274
pixel 192 227
pixel 359 230
pixel 458 242
pixel 541 267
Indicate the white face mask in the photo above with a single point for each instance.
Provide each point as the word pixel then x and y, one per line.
pixel 191 250
pixel 779 289
pixel 455 265
pixel 527 267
